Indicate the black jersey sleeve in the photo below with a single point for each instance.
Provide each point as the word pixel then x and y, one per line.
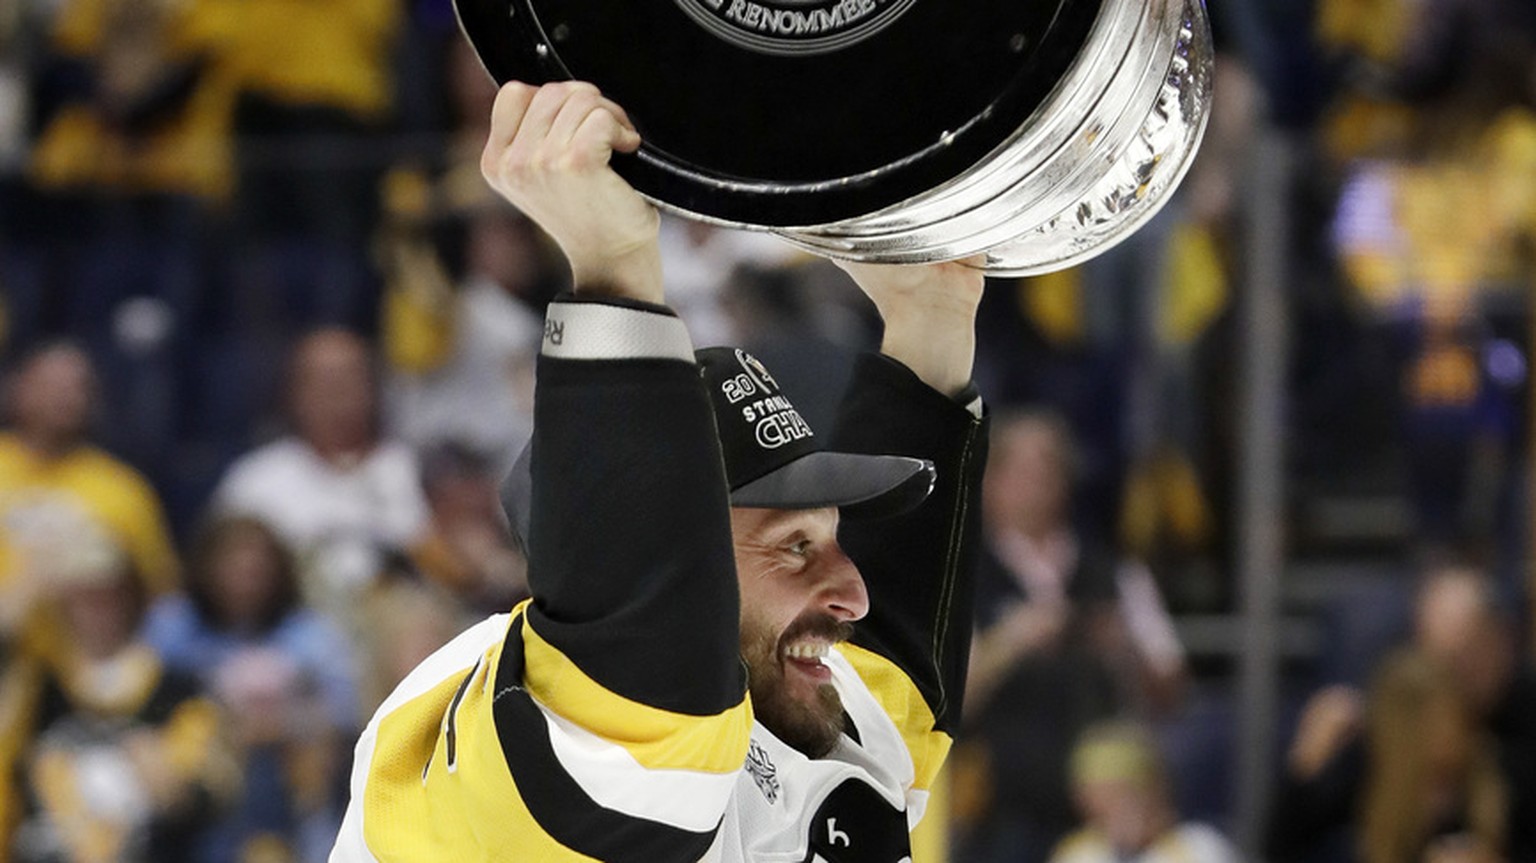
pixel 630 560
pixel 919 567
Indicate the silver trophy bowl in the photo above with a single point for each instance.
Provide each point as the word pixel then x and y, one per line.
pixel 1086 170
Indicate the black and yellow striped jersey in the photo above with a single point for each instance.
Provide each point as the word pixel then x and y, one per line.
pixel 607 718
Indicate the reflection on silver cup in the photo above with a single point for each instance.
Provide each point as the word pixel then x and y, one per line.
pixel 1088 167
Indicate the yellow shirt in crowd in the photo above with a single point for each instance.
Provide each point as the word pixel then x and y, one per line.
pixel 186 152
pixel 323 53
pixel 35 491
pixel 309 53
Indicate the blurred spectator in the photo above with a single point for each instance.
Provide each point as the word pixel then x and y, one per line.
pixel 1461 624
pixel 1067 635
pixel 1460 701
pixel 462 358
pixel 467 550
pixel 285 676
pixel 1432 788
pixel 1417 73
pixel 1433 279
pixel 466 281
pixel 1121 786
pixel 125 760
pixel 337 492
pixel 148 112
pixel 1432 140
pixel 52 479
pixel 315 84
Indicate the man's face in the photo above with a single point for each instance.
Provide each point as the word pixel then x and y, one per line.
pixel 100 617
pixel 1456 623
pixel 55 393
pixel 1027 486
pixel 1130 814
pixel 333 391
pixel 799 595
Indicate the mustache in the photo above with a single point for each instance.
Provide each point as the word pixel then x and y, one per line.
pixel 816 624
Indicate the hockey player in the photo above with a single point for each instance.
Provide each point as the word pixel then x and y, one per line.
pixel 741 646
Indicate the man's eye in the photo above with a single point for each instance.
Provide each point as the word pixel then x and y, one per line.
pixel 801 548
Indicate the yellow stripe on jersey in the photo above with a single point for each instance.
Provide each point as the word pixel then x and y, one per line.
pixel 440 759
pixel 655 738
pixel 414 815
pixel 899 698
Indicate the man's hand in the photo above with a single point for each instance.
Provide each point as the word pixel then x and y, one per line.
pixel 548 154
pixel 1330 720
pixel 930 316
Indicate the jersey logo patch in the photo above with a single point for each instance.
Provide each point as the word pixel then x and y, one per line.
pixel 764 773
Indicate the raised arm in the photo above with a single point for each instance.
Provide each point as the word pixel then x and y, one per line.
pixel 627 716
pixel 916 399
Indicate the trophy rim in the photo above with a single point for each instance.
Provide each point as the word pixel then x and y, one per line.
pixel 511 43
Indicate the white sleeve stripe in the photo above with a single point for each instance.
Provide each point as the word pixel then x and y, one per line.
pixel 593 331
pixel 687 799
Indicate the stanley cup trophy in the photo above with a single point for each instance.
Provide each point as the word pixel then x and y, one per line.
pixel 1038 132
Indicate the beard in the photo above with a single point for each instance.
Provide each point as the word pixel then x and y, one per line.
pixel 811 728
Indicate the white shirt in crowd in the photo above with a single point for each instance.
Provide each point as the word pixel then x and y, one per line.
pixel 340 520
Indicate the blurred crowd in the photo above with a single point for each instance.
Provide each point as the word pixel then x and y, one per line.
pixel 269 342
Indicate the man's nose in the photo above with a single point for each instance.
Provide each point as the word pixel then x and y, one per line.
pixel 845 595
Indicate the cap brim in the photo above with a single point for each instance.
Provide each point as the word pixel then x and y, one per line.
pixel 862 486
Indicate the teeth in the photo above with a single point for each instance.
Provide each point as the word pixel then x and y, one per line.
pixel 806 650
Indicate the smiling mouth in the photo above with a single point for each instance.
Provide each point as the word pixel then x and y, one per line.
pixel 809 658
pixel 807 651
pixel 804 646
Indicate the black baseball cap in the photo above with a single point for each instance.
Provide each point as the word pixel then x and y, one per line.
pixel 772 457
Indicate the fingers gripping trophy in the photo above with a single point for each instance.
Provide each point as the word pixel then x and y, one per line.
pixel 747 638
